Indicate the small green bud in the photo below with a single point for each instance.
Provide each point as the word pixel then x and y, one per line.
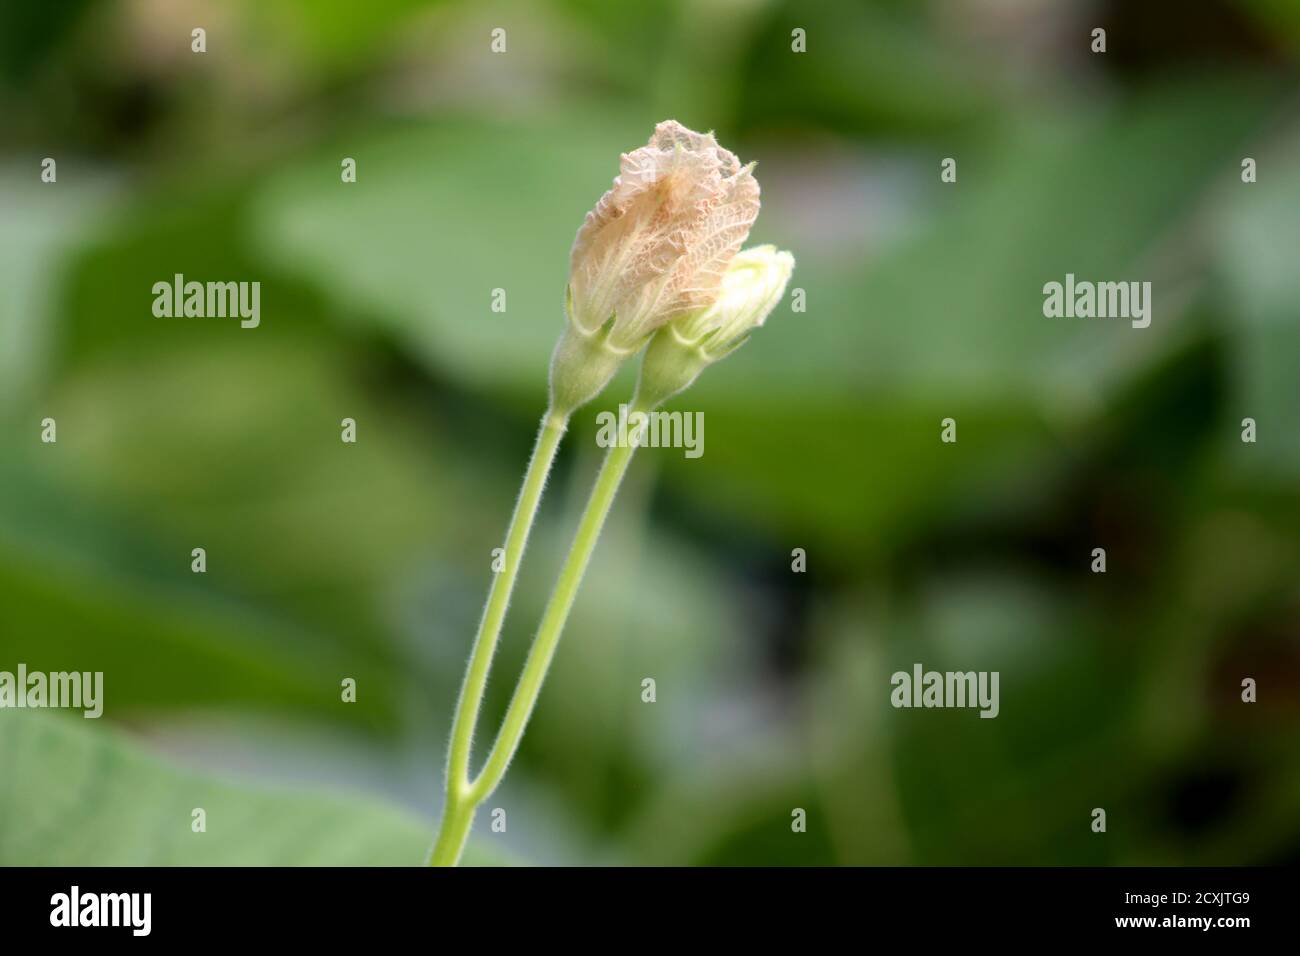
pixel 753 284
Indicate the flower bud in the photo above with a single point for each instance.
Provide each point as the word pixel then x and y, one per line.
pixel 754 283
pixel 654 248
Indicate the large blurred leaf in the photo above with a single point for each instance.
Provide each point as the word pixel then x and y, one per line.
pixel 869 67
pixel 74 795
pixel 40 222
pixel 29 32
pixel 438 218
pixel 161 641
pixel 949 323
pixel 1258 246
pixel 237 452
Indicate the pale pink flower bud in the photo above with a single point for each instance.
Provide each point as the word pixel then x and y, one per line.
pixel 657 244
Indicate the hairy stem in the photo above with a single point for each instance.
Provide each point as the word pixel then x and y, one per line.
pixel 464 798
pixel 458 810
pixel 557 612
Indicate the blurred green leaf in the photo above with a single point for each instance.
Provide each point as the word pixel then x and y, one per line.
pixel 30 32
pixel 82 590
pixel 41 225
pixel 438 218
pixel 869 68
pixel 949 322
pixel 1257 252
pixel 73 795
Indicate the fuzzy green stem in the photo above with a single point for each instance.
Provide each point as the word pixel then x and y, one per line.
pixel 457 816
pixel 458 809
pixel 557 612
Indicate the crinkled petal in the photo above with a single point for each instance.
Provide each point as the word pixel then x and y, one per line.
pixel 658 241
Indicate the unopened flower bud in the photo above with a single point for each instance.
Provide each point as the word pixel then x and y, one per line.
pixel 654 248
pixel 754 283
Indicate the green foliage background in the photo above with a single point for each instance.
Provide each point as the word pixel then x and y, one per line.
pixel 924 301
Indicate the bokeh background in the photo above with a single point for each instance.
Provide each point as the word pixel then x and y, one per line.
pixel 1118 690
